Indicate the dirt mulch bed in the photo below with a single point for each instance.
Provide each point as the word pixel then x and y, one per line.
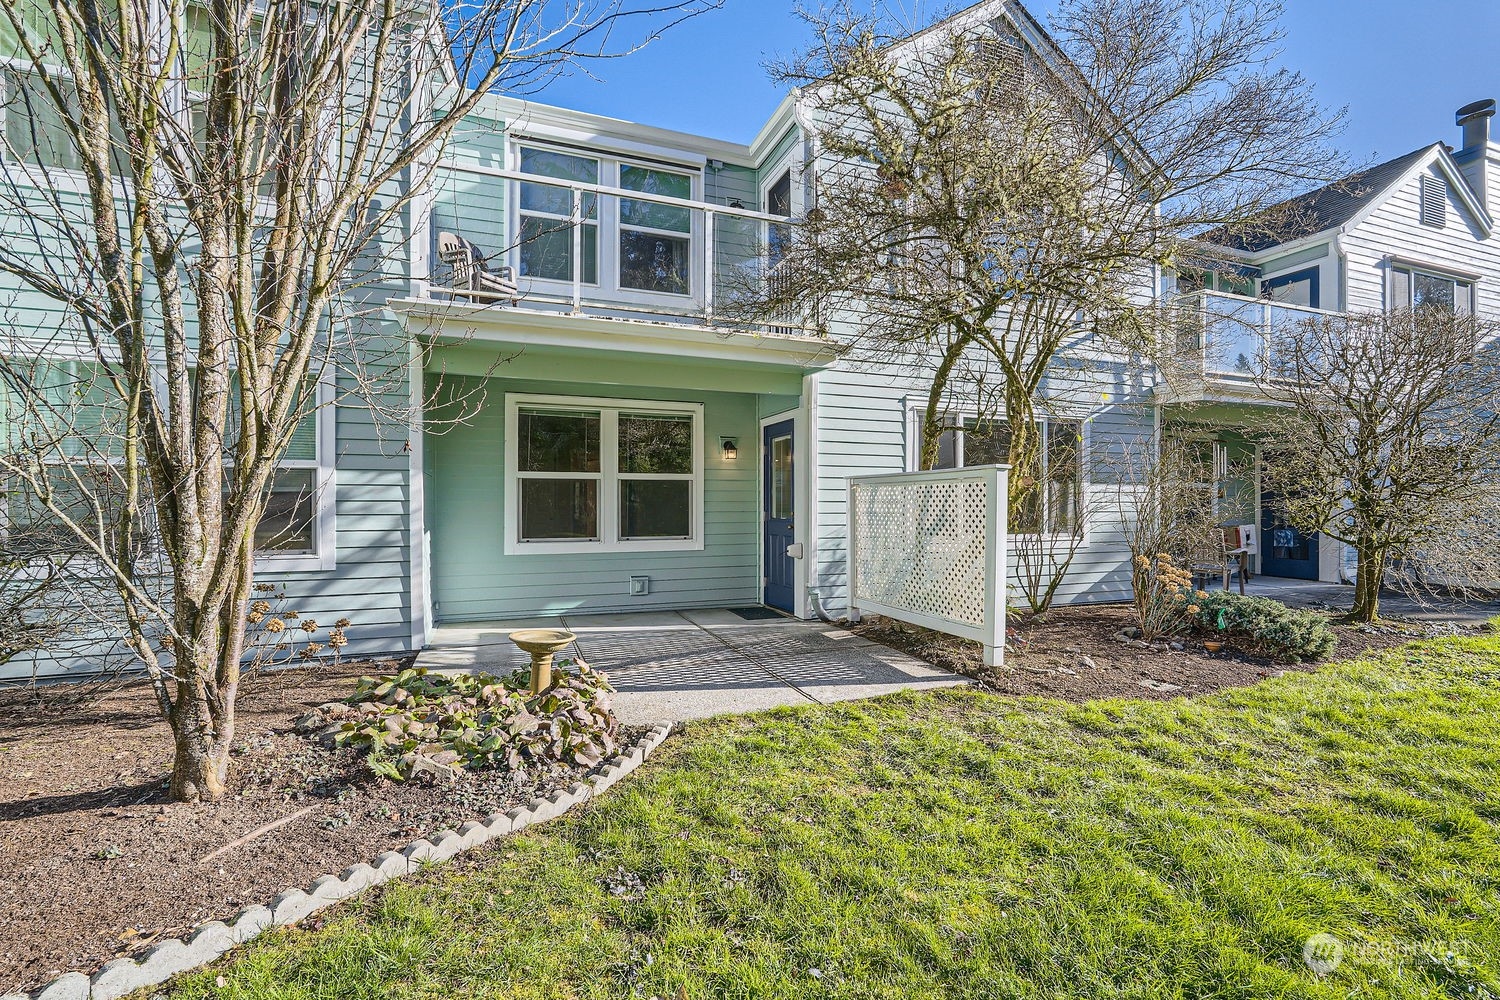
pixel 95 863
pixel 1071 655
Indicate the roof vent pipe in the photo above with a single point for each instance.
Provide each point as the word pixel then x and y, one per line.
pixel 1474 119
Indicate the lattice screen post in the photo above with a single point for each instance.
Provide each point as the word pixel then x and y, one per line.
pixel 996 573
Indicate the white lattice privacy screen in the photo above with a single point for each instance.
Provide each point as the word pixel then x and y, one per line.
pixel 929 548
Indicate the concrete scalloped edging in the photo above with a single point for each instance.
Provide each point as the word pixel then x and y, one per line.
pixel 211 940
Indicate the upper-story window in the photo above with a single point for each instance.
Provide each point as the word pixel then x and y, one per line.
pixel 656 240
pixel 1412 288
pixel 546 236
pixel 624 244
pixel 1300 288
pixel 778 202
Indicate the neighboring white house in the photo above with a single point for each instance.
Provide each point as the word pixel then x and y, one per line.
pixel 1417 229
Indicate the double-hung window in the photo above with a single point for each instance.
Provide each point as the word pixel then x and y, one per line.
pixel 297 522
pixel 546 238
pixel 656 240
pixel 631 246
pixel 1413 288
pixel 63 435
pixel 592 474
pixel 1054 506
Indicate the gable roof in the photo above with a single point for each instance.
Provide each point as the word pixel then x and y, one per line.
pixel 1343 201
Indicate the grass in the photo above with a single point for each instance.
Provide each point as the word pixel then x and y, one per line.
pixel 964 845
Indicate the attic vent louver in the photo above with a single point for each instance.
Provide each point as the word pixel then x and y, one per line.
pixel 1434 201
pixel 1001 64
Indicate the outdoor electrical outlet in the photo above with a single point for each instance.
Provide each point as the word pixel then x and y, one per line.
pixel 640 586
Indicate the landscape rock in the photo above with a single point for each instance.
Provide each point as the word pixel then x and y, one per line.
pixel 1160 686
pixel 1087 663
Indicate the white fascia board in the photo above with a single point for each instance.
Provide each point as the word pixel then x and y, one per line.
pixel 530 117
pixel 783 118
pixel 542 328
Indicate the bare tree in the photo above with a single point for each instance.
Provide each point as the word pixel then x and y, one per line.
pixel 1166 509
pixel 977 204
pixel 206 197
pixel 1385 436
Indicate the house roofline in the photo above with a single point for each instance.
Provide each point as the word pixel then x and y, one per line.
pixel 512 109
pixel 1437 153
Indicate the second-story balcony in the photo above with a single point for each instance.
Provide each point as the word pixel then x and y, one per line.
pixel 1223 343
pixel 645 252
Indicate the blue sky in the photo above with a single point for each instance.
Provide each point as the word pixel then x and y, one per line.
pixel 1402 68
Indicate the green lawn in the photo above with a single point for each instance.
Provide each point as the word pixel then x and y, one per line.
pixel 957 845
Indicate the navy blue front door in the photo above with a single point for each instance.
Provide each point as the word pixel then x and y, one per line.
pixel 780 514
pixel 1285 551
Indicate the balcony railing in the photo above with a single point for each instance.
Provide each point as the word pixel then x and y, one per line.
pixel 1227 339
pixel 589 249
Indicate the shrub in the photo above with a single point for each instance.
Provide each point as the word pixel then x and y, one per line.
pixel 1165 602
pixel 417 722
pixel 1265 626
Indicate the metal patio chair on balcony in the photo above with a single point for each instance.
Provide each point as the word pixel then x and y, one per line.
pixel 470 276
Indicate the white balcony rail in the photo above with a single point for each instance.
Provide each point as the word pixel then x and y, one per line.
pixel 929 548
pixel 1229 337
pixel 587 255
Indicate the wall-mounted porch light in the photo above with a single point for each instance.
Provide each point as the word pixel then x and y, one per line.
pixel 730 448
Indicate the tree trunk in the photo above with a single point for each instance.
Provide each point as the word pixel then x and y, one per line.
pixel 203 712
pixel 1367 585
pixel 201 738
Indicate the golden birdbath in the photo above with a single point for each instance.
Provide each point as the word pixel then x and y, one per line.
pixel 542 644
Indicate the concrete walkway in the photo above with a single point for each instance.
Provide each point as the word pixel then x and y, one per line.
pixel 1339 596
pixel 673 665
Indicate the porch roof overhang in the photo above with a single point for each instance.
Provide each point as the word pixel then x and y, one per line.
pixel 613 349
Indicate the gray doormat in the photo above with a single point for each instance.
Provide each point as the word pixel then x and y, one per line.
pixel 757 614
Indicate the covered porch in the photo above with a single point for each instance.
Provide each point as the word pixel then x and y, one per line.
pixel 584 465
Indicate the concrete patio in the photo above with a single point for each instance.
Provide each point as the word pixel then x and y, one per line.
pixel 673 665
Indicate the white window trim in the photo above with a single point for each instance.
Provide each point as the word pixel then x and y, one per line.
pixel 914 415
pixel 1416 267
pixel 607 222
pixel 325 497
pixel 608 476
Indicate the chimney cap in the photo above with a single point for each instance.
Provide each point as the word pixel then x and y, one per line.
pixel 1478 109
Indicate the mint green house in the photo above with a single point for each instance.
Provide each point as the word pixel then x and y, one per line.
pixel 592 433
